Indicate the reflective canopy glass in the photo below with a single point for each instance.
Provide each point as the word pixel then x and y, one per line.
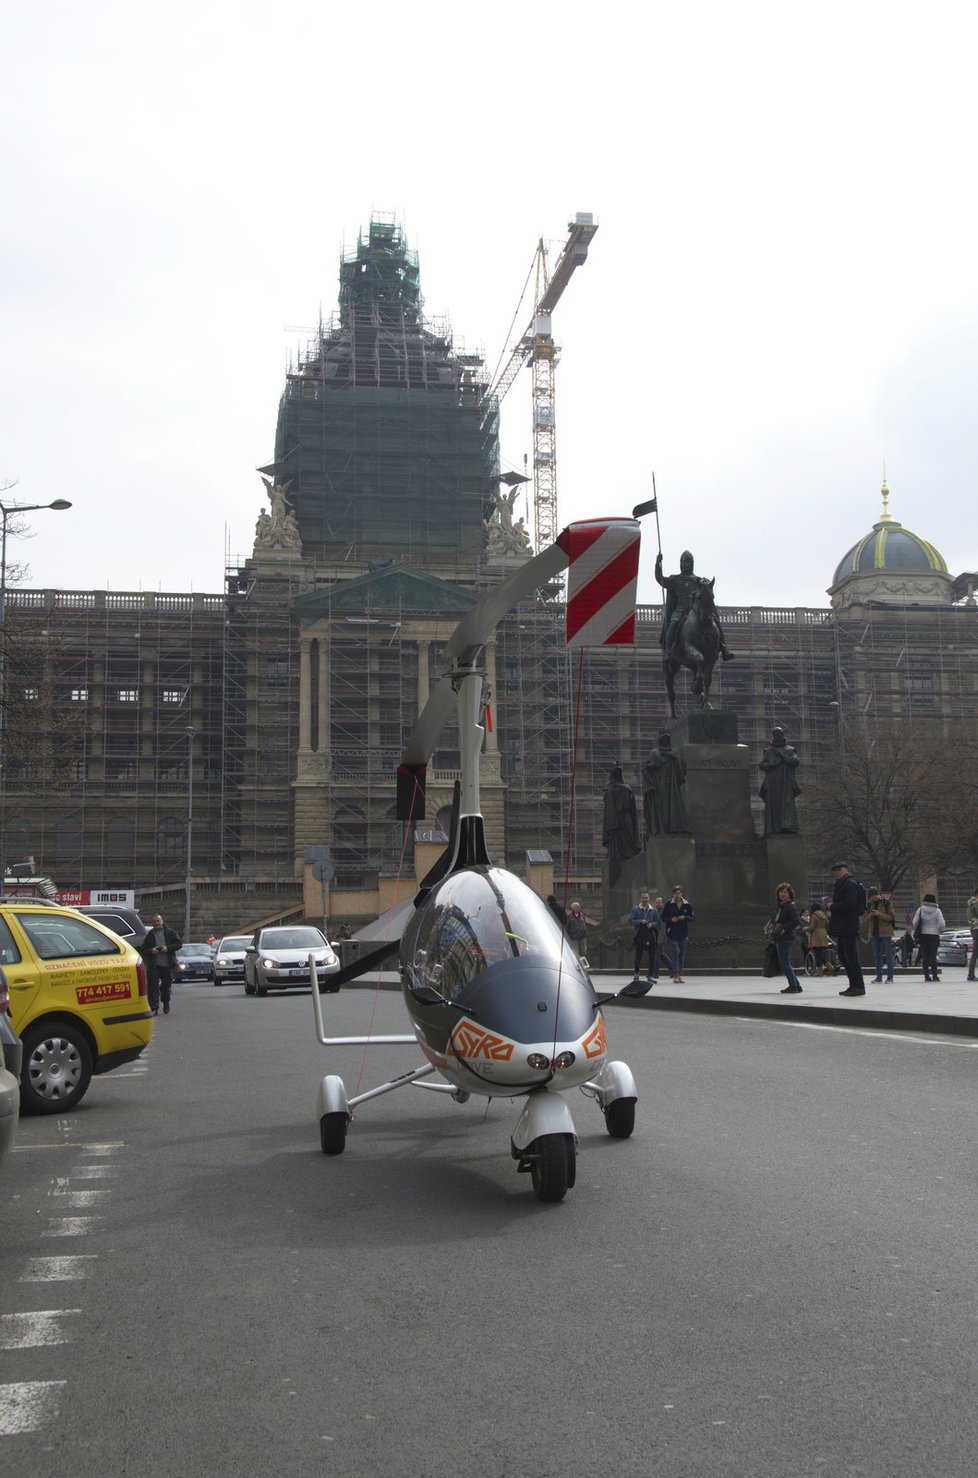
pixel 478 918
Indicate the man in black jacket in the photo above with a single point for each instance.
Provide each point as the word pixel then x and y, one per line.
pixel 844 927
pixel 159 952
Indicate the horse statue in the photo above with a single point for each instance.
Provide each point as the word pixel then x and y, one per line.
pixel 696 647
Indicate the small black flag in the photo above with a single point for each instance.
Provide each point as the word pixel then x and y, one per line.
pixel 643 508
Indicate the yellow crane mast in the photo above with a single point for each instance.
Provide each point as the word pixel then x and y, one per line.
pixel 536 347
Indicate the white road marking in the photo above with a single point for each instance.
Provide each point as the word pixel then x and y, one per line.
pixel 28 1331
pixel 78 1200
pixel 57 1269
pixel 26 1406
pixel 71 1226
pixel 863 1031
pixel 108 1147
pixel 95 1171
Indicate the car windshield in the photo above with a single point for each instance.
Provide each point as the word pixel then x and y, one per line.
pixel 194 949
pixel 292 939
pixel 61 937
pixel 234 942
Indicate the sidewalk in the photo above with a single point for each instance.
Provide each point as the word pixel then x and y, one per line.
pixel 950 1006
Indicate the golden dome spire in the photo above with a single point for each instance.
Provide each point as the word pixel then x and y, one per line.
pixel 886 516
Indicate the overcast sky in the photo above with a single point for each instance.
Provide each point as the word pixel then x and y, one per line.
pixel 782 295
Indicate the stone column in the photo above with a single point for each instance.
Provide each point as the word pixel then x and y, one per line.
pixel 305 714
pixel 423 679
pixel 324 733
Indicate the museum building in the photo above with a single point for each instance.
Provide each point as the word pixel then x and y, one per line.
pixel 268 718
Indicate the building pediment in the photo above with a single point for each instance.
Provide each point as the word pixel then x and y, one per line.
pixel 397 588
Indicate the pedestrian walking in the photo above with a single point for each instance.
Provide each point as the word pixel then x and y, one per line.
pixel 575 928
pixel 928 922
pixel 781 927
pixel 645 920
pixel 677 917
pixel 159 952
pixel 973 926
pixel 846 911
pixel 881 923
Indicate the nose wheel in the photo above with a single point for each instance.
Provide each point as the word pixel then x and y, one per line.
pixel 552 1163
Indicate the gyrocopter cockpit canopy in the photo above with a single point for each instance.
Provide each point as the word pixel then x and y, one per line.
pixel 481 917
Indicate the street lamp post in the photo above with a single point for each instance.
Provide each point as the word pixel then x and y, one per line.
pixel 6 509
pixel 188 885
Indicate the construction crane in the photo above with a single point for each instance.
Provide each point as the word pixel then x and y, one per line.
pixel 536 346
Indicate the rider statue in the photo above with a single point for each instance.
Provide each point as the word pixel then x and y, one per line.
pixel 680 590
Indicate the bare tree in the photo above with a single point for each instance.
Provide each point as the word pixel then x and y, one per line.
pixel 877 802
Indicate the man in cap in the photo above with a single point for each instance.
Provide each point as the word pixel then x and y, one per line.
pixel 844 926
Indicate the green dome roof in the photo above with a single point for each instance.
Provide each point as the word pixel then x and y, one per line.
pixel 891 548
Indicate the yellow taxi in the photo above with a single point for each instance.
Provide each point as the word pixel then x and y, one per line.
pixel 77 999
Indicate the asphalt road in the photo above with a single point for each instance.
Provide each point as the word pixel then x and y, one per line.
pixel 775 1275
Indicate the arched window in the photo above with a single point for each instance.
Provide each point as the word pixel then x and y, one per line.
pixel 16 841
pixel 68 841
pixel 119 838
pixel 170 838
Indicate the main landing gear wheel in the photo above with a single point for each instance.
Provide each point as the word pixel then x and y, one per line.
pixel 332 1133
pixel 553 1166
pixel 619 1117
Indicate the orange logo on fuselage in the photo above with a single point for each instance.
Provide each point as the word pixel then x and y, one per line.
pixel 472 1041
pixel 595 1044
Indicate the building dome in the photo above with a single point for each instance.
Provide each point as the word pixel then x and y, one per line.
pixel 889 561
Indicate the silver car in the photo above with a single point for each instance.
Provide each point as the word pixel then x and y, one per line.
pixel 229 957
pixel 278 958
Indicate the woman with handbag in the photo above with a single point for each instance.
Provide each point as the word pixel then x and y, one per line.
pixel 781 928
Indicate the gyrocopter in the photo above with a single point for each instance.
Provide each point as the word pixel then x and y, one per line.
pixel 500 1005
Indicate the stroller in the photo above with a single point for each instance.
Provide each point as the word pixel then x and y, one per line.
pixel 830 967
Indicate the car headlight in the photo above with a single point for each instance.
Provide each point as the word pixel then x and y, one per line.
pixel 220 960
pixel 269 964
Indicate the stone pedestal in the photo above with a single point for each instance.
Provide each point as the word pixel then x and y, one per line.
pixel 787 863
pixel 727 871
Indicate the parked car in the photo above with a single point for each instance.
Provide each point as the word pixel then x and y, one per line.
pixel 195 962
pixel 77 999
pixel 11 1053
pixel 278 957
pixel 954 947
pixel 229 957
pixel 122 921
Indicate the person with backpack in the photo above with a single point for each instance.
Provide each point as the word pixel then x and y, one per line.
pixel 849 903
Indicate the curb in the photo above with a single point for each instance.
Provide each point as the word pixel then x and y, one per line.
pixel 907 1021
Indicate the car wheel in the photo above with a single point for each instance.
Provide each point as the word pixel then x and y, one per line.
pixel 261 989
pixel 57 1068
pixel 249 988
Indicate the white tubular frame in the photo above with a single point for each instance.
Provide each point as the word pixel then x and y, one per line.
pixel 401 1040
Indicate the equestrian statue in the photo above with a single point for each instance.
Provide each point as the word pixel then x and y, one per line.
pixel 691 635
